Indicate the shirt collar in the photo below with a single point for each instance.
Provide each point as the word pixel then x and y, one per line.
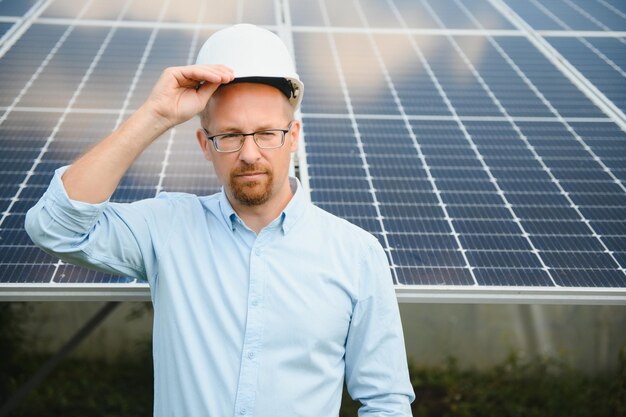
pixel 228 213
pixel 289 216
pixel 296 207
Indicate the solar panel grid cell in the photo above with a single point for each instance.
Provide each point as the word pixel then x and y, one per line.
pixel 36 271
pixel 305 13
pixel 608 16
pixel 97 10
pixel 315 67
pixel 485 13
pixel 365 81
pixel 22 61
pixel 108 84
pixel 616 6
pixel 4 28
pixel 572 16
pixel 533 15
pixel 340 13
pixel 447 276
pixel 415 88
pixel 605 74
pixel 557 89
pixel 15 7
pixel 450 14
pixel 510 276
pixel 612 48
pixel 456 79
pixel 378 13
pixel 64 9
pixel 60 78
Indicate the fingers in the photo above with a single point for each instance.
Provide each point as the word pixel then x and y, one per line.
pixel 192 75
pixel 205 79
pixel 181 92
pixel 206 90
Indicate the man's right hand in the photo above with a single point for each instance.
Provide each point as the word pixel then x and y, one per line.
pixel 182 92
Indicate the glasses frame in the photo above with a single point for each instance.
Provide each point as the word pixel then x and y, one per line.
pixel 243 138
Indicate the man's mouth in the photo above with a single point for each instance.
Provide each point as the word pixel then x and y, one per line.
pixel 250 175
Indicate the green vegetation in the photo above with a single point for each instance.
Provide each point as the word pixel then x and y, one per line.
pixel 11 340
pixel 517 387
pixel 528 388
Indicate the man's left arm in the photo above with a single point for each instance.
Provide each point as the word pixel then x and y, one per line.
pixel 376 364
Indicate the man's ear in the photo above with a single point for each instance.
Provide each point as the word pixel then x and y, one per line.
pixel 294 135
pixel 204 144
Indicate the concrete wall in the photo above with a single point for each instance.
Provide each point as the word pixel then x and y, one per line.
pixel 51 324
pixel 588 337
pixel 481 335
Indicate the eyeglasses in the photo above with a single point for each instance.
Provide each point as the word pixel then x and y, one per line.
pixel 233 142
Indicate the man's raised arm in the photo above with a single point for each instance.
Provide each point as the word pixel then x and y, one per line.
pixel 73 219
pixel 94 176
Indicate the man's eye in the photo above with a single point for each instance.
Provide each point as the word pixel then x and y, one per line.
pixel 231 136
pixel 266 135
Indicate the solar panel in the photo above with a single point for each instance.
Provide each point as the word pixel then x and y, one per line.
pixel 598 64
pixel 572 15
pixel 481 141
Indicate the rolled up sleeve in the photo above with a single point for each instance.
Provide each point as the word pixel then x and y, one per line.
pixel 376 364
pixel 109 237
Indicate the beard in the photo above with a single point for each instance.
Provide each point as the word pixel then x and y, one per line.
pixel 255 192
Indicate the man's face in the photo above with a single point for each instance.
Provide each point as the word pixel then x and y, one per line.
pixel 251 176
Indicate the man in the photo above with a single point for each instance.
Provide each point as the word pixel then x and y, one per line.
pixel 262 301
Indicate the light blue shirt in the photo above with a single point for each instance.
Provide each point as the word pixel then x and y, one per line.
pixel 246 325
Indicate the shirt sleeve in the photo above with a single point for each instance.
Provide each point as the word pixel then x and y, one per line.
pixel 376 364
pixel 109 237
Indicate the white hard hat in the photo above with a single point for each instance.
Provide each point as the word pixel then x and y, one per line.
pixel 255 54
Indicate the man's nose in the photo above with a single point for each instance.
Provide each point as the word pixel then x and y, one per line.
pixel 249 152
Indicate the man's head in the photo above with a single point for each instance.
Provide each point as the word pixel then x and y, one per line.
pixel 264 95
pixel 251 176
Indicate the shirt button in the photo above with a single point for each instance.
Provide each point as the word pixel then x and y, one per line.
pixel 251 355
pixel 255 303
pixel 243 411
pixel 257 251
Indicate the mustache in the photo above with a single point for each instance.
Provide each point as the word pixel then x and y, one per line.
pixel 247 169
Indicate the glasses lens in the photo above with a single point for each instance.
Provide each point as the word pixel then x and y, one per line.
pixel 269 138
pixel 228 143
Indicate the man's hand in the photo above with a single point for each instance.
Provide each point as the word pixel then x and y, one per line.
pixel 182 92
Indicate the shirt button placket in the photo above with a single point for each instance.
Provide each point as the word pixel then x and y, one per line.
pixel 246 389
